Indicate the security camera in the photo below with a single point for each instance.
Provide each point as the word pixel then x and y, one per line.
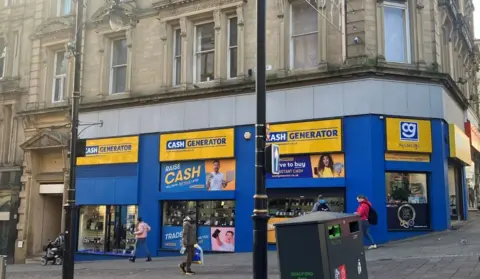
pixel 71 47
pixel 356 40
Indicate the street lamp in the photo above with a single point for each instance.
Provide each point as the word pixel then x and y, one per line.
pixel 70 206
pixel 260 213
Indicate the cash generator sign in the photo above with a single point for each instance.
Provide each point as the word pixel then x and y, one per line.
pixel 210 144
pixel 110 151
pixel 409 135
pixel 307 137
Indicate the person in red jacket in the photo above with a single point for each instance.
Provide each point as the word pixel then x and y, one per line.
pixel 363 211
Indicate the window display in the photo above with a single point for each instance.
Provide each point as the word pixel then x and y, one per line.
pixel 280 208
pixel 215 221
pixel 407 201
pixel 107 229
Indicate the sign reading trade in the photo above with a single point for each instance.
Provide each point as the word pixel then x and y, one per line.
pixel 110 151
pixel 307 137
pixel 197 145
pixel 409 135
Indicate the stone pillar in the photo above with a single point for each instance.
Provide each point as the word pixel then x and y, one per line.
pixel 103 88
pixel 240 43
pixel 380 31
pixel 420 57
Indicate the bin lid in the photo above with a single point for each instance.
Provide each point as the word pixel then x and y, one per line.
pixel 316 218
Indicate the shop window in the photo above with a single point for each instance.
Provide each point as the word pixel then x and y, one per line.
pixel 107 229
pixel 407 201
pixel 214 220
pixel 291 203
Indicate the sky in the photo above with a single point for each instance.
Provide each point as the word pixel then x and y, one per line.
pixel 476 18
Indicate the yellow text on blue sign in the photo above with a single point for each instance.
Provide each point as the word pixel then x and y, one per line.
pixel 210 144
pixel 307 137
pixel 459 144
pixel 409 135
pixel 110 151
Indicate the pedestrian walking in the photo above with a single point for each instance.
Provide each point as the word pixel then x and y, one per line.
pixel 189 239
pixel 368 216
pixel 141 234
pixel 320 205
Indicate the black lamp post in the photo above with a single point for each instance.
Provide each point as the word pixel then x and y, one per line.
pixel 117 20
pixel 70 208
pixel 260 213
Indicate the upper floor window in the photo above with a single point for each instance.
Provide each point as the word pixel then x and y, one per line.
pixel 204 52
pixel 177 57
pixel 64 7
pixel 118 67
pixel 304 32
pixel 232 48
pixel 3 54
pixel 397 32
pixel 59 77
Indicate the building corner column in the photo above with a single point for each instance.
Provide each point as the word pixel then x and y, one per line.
pixel 419 8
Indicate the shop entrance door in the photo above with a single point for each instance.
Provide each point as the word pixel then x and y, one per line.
pixel 456 192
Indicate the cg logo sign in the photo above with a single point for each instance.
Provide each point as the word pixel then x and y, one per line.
pixel 408 131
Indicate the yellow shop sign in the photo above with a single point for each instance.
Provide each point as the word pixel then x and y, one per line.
pixel 409 135
pixel 307 137
pixel 110 151
pixel 459 144
pixel 212 144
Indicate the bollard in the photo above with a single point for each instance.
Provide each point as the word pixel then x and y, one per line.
pixel 3 267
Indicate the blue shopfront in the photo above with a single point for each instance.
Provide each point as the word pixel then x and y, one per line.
pixel 401 165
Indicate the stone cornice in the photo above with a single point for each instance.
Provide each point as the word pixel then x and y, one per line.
pixel 248 87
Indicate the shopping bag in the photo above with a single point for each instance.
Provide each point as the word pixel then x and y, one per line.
pixel 198 255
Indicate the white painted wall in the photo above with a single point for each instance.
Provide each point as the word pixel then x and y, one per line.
pixel 369 96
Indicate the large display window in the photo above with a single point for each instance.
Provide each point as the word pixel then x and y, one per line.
pixel 107 229
pixel 407 201
pixel 215 223
pixel 289 203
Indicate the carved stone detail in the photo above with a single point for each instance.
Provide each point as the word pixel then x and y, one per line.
pixel 163 31
pixel 280 8
pixel 420 4
pixel 46 139
pixel 240 19
pixel 54 25
pixel 217 19
pixel 183 27
pixel 182 7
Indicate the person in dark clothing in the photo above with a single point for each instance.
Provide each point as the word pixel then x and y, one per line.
pixel 189 239
pixel 320 205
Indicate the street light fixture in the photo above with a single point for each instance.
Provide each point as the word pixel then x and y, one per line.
pixel 70 206
pixel 260 213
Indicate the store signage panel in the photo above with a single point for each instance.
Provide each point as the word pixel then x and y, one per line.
pixel 407 157
pixel 209 175
pixel 219 239
pixel 408 217
pixel 311 166
pixel 197 145
pixel 409 135
pixel 307 137
pixel 110 151
pixel 459 144
pixel 474 135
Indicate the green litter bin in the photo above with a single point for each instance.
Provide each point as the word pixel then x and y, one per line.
pixel 321 245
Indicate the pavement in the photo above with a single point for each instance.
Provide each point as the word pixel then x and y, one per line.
pixel 452 254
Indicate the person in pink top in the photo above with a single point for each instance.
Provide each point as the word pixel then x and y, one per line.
pixel 141 234
pixel 363 211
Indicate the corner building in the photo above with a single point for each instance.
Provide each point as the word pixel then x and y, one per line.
pixel 395 95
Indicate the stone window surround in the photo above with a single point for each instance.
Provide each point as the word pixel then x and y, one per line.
pixel 12 39
pixel 407 28
pixel 105 49
pixel 49 51
pixel 284 14
pixel 186 22
pixel 415 31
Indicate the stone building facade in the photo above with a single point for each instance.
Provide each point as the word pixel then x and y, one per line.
pixel 179 65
